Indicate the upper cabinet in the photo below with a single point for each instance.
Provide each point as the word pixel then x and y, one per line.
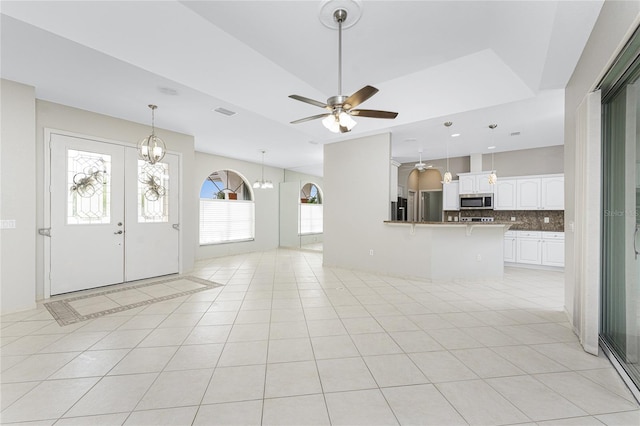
pixel 475 183
pixel 505 194
pixel 450 196
pixel 552 194
pixel 540 193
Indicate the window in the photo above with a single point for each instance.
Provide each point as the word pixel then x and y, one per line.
pixel 226 209
pixel 311 213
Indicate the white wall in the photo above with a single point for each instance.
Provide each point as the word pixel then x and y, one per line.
pixel 61 117
pixel 18 201
pixel 614 26
pixel 356 201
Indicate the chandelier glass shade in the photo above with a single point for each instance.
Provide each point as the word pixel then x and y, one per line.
pixel 152 148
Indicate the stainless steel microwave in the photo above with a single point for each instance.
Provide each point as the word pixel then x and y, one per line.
pixel 476 201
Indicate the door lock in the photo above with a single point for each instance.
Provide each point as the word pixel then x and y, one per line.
pixel 118 232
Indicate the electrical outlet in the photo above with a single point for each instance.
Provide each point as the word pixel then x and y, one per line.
pixel 371 252
pixel 513 218
pixel 8 224
pixel 546 220
pixel 479 257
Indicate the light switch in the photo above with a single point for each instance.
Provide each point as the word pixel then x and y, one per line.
pixel 7 224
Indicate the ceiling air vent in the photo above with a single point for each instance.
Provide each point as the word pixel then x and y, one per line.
pixel 225 111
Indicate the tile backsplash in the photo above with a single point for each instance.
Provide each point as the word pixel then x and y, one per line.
pixel 528 220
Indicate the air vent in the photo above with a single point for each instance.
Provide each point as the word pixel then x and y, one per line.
pixel 168 91
pixel 225 111
pixel 515 134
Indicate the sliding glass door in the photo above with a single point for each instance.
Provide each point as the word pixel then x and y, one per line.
pixel 620 321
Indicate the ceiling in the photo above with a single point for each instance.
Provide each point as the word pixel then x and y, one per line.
pixel 470 62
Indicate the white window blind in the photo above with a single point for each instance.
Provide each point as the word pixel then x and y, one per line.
pixel 225 221
pixel 311 219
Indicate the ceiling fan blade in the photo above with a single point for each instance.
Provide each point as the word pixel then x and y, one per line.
pixel 309 101
pixel 313 117
pixel 359 97
pixel 373 113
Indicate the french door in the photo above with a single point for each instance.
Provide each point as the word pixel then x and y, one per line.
pixel 620 322
pixel 113 218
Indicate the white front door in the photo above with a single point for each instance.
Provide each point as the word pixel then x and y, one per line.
pixel 151 235
pixel 111 217
pixel 87 214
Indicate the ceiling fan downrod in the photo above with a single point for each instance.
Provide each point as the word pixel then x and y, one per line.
pixel 340 15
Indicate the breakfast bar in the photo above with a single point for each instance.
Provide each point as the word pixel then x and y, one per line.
pixel 448 250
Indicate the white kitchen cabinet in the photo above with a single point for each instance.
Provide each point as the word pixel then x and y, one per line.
pixel 552 193
pixel 505 194
pixel 475 183
pixel 528 248
pixel 451 196
pixel 510 246
pixel 553 248
pixel 528 194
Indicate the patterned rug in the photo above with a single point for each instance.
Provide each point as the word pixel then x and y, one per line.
pixel 94 305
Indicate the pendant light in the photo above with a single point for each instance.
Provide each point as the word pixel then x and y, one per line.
pixel 447 175
pixel 152 149
pixel 493 178
pixel 263 184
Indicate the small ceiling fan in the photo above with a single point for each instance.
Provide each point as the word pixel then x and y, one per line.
pixel 340 107
pixel 421 167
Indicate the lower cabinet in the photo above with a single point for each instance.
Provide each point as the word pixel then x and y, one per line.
pixel 534 248
pixel 529 245
pixel 510 246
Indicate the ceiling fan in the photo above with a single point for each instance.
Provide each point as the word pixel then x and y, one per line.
pixel 341 107
pixel 421 167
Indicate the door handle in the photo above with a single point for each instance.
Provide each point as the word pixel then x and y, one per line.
pixel 118 232
pixel 635 247
pixel 176 226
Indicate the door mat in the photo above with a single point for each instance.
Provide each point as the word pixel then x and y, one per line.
pixel 125 297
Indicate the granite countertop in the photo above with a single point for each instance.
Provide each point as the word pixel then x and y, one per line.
pixel 452 223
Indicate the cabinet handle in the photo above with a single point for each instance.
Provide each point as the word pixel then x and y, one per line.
pixel 635 248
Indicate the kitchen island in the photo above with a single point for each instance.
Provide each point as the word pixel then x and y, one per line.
pixel 447 250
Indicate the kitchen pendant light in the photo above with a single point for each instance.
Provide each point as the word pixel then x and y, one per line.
pixel 263 184
pixel 152 149
pixel 493 177
pixel 447 175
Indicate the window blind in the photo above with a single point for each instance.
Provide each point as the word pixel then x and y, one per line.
pixel 225 221
pixel 311 219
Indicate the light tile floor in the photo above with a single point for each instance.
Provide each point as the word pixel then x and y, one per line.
pixel 287 341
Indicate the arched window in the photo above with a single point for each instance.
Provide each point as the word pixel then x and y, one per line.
pixel 226 209
pixel 311 212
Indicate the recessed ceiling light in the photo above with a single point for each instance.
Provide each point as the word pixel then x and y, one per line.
pixel 455 135
pixel 224 111
pixel 491 147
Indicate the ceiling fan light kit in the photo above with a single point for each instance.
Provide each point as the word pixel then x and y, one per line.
pixel 341 108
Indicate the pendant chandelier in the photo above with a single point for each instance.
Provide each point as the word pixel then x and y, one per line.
pixel 493 178
pixel 447 175
pixel 152 149
pixel 263 184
